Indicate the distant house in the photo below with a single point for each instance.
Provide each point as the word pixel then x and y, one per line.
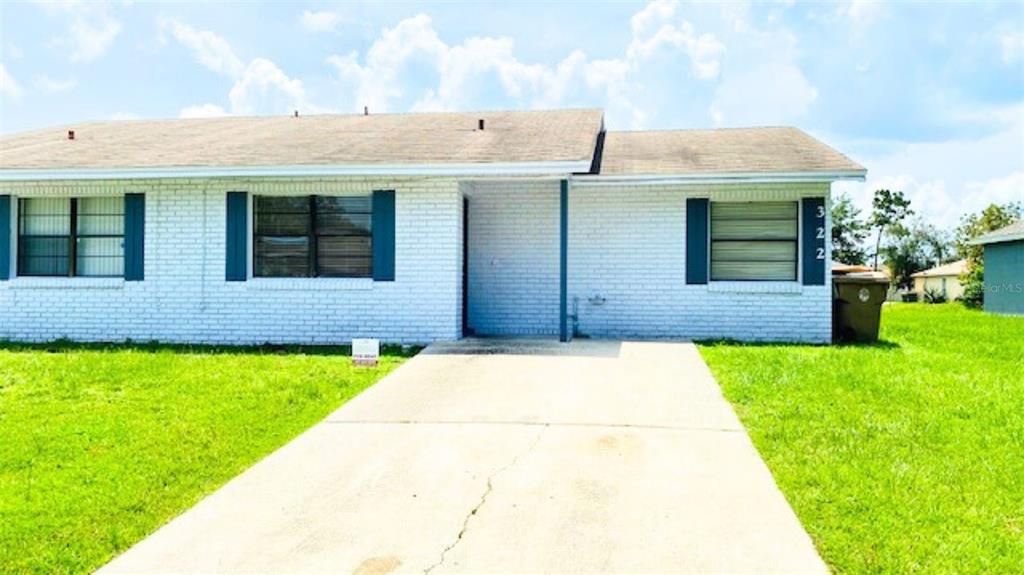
pixel 944 279
pixel 1004 269
pixel 413 228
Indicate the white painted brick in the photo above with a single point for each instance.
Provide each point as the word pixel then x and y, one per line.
pixel 513 258
pixel 626 244
pixel 186 299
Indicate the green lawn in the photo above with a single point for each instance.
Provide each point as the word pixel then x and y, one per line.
pixel 100 445
pixel 901 457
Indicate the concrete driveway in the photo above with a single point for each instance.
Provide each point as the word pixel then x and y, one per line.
pixel 497 456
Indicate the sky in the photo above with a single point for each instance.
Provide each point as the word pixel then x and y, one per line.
pixel 928 96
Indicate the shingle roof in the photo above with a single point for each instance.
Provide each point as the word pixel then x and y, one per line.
pixel 385 139
pixel 1012 232
pixel 722 151
pixel 951 269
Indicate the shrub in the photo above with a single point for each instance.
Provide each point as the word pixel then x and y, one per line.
pixel 932 295
pixel 974 285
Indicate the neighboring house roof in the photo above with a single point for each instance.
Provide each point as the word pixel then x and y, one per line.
pixel 956 268
pixel 737 151
pixel 1012 232
pixel 445 139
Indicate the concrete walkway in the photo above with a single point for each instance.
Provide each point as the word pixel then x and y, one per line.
pixel 505 456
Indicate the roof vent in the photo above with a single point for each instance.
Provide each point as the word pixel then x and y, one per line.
pixel 71 134
pixel 480 124
pixel 366 110
pixel 296 113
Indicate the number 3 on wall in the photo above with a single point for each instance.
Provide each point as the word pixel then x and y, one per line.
pixel 821 211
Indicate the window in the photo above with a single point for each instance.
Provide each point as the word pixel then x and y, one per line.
pixel 71 237
pixel 754 241
pixel 313 236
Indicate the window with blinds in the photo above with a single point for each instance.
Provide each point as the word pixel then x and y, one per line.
pixel 313 236
pixel 754 241
pixel 75 237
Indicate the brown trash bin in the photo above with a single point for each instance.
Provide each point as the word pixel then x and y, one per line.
pixel 857 306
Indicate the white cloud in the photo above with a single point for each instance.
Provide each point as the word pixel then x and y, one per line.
pixel 260 86
pixel 862 13
pixel 1012 45
pixel 90 39
pixel 264 88
pixel 945 180
pixel 776 93
pixel 203 111
pixel 91 29
pixel 207 48
pixel 761 81
pixel 9 87
pixel 50 85
pixel 999 190
pixel 462 75
pixel 321 21
pixel 646 21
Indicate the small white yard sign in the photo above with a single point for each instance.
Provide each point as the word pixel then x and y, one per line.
pixel 365 351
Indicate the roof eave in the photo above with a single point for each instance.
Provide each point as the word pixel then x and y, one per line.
pixel 474 169
pixel 720 178
pixel 982 241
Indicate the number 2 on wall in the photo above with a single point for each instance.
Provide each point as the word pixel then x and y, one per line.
pixel 820 253
pixel 821 232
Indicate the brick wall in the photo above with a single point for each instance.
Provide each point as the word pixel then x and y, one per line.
pixel 513 258
pixel 627 250
pixel 627 245
pixel 185 298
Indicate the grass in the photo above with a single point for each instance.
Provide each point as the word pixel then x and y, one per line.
pixel 901 457
pixel 102 444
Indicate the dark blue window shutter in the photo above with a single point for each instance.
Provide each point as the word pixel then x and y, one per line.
pixel 5 238
pixel 813 241
pixel 697 241
pixel 384 235
pixel 237 262
pixel 134 237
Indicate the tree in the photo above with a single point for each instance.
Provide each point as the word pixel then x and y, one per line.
pixel 971 226
pixel 992 218
pixel 848 232
pixel 888 209
pixel 914 248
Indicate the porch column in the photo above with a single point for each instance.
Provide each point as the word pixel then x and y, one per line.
pixel 563 324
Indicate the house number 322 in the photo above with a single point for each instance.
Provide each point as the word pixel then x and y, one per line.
pixel 819 253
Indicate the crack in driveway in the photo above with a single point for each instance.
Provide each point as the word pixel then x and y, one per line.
pixel 483 499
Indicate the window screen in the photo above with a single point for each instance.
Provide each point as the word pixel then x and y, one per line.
pixel 71 237
pixel 100 237
pixel 313 236
pixel 754 241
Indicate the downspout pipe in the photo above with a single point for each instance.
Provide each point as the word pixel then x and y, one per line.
pixel 563 325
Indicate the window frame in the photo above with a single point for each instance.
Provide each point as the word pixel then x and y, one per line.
pixel 312 237
pixel 796 241
pixel 72 238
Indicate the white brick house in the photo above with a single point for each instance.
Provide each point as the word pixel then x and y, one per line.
pixel 413 228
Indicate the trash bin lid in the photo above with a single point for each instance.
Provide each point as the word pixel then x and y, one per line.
pixel 862 278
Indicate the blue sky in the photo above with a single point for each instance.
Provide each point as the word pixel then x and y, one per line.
pixel 928 96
